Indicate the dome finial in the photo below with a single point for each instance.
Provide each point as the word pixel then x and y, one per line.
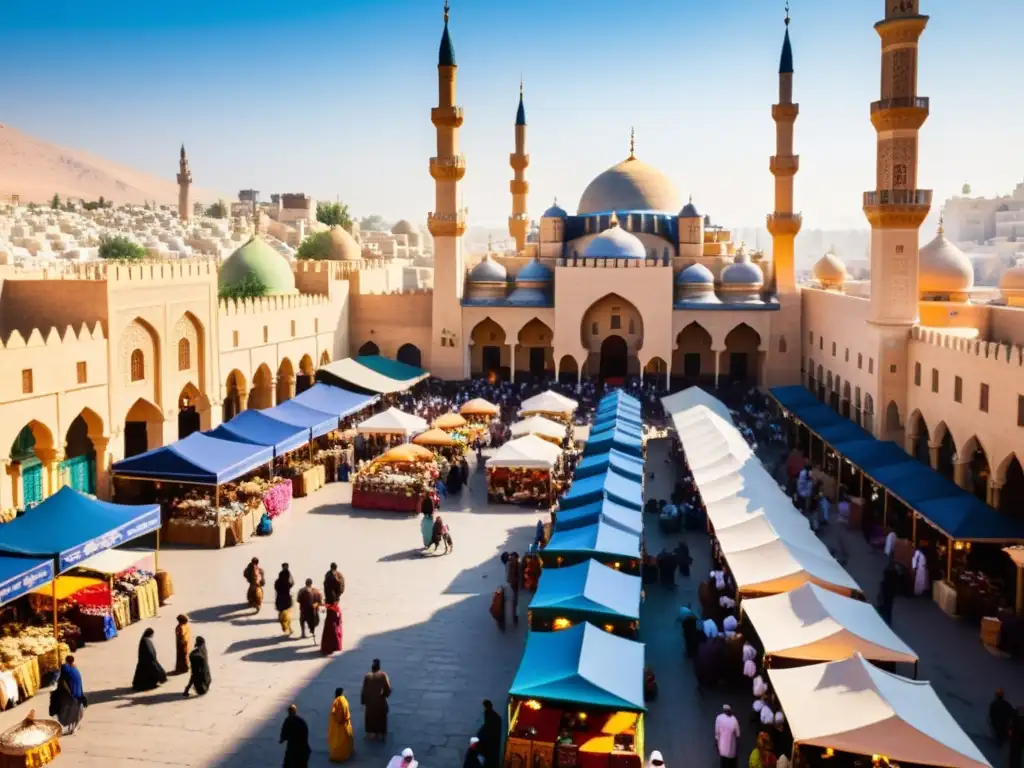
pixel 614 221
pixel 446 10
pixel 941 229
pixel 787 13
pixel 691 198
pixel 632 143
pixel 490 242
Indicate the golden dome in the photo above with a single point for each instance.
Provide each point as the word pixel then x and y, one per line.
pixel 943 269
pixel 343 246
pixel 630 186
pixel 830 271
pixel 1011 285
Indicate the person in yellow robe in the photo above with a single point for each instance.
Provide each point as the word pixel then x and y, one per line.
pixel 340 741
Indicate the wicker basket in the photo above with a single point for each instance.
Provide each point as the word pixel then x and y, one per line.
pixel 30 744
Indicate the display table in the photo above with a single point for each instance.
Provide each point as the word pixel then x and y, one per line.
pixel 224 534
pixel 145 601
pixel 121 610
pixel 944 595
pixel 389 502
pixel 164 585
pixel 27 676
pixel 591 748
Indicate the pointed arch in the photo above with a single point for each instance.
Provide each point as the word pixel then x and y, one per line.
pixel 143 427
pixel 304 378
pixel 79 468
pixel 534 353
pixel 893 426
pixel 978 471
pixel 369 348
pixel 306 365
pixel 236 394
pixel 489 355
pixel 868 415
pixel 139 354
pixel 410 355
pixel 846 403
pixel 693 358
pixel 613 316
pixel 568 370
pixel 285 380
pixel 325 357
pixel 190 406
pixel 1010 478
pixel 261 394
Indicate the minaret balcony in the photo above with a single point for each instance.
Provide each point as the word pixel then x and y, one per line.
pixel 897 208
pixel 780 224
pixel 448 167
pixel 905 113
pixel 519 187
pixel 785 113
pixel 184 178
pixel 449 117
pixel 447 224
pixel 519 162
pixel 784 165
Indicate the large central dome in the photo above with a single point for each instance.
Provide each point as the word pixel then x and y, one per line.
pixel 630 186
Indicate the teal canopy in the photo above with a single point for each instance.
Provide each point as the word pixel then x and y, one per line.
pixel 582 665
pixel 604 511
pixel 615 461
pixel 587 490
pixel 588 591
pixel 617 437
pixel 600 541
pixel 624 423
pixel 618 398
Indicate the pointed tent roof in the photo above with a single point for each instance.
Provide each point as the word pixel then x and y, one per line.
pixel 604 511
pixel 393 422
pixel 526 451
pixel 582 665
pixel 615 461
pixel 538 425
pixel 855 707
pixel 479 407
pixel 548 402
pixel 621 490
pixel 595 541
pixel 589 591
pixel 616 398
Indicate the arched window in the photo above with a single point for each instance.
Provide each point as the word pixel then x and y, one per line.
pixel 138 365
pixel 782 345
pixel 184 355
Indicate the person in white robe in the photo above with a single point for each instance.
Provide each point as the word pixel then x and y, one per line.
pixel 919 565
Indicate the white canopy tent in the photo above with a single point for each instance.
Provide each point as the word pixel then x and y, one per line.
pixel 115 561
pixel 548 402
pixel 393 422
pixel 529 452
pixel 813 624
pixel 853 706
pixel 779 566
pixel 538 425
pixel 758 530
pixel 686 399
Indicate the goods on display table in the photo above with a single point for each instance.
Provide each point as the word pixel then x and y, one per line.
pixel 547 429
pixel 307 476
pixel 30 744
pixel 197 520
pixel 274 496
pixel 399 480
pixel 27 654
pixel 521 471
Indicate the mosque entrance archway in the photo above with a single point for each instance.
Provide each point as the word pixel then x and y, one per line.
pixel 143 428
pixel 188 411
pixel 743 355
pixel 614 359
pixel 78 468
pixel 304 380
pixel 30 449
pixel 1011 495
pixel 693 357
pixel 568 370
pixel 234 396
pixel 369 348
pixel 487 355
pixel 410 355
pixel 490 362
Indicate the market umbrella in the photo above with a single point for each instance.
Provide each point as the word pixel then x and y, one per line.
pixel 406 452
pixel 479 407
pixel 436 437
pixel 449 421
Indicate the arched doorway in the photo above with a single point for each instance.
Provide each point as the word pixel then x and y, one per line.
pixel 262 393
pixel 922 436
pixel 656 370
pixel 869 414
pixel 893 427
pixel 534 354
pixel 821 384
pixel 143 428
pixel 947 453
pixel 1011 496
pixel 614 360
pixel 488 356
pixel 693 360
pixel 741 360
pixel 285 381
pixel 31 448
pixel 568 370
pixel 410 355
pixel 834 397
pixel 978 470
pixel 305 378
pixel 369 348
pixel 188 411
pixel 844 406
pixel 812 383
pixel 234 395
pixel 79 466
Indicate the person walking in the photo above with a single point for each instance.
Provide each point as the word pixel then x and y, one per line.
pixel 489 736
pixel 181 643
pixel 295 737
pixel 257 580
pixel 200 677
pixel 334 585
pixel 149 673
pixel 727 734
pixel 331 637
pixel 68 702
pixel 513 577
pixel 340 740
pixel 309 600
pixel 283 598
pixel 374 698
pixel 473 758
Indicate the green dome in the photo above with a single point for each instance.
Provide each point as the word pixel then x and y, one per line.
pixel 258 259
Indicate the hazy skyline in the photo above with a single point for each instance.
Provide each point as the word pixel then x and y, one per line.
pixel 333 97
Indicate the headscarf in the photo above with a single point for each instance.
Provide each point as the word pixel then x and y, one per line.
pixel 655 760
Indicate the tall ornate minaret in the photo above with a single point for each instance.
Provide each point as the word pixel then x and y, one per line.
pixel 783 359
pixel 896 208
pixel 447 222
pixel 184 182
pixel 518 222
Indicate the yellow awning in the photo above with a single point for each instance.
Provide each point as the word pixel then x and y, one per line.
pixel 67 586
pixel 405 453
pixel 437 437
pixel 449 421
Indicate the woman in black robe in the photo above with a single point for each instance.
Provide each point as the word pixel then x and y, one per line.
pixel 199 664
pixel 148 672
pixel 283 600
pixel 454 483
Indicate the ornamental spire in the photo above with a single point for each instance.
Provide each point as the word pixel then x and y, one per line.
pixel 446 9
pixel 786 59
pixel 632 143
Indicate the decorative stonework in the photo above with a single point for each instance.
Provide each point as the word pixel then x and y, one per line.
pixel 136 337
pixel 901 31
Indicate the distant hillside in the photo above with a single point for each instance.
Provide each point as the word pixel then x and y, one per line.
pixel 34 170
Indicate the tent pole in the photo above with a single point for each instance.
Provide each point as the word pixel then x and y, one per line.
pixel 915 669
pixel 913 528
pixel 53 595
pixel 949 561
pixel 885 509
pixel 156 554
pixel 862 485
pixel 216 502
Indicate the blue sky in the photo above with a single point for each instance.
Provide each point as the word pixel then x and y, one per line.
pixel 333 97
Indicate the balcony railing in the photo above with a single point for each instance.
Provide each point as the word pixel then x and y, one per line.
pixel 459 217
pixel 449 161
pixel 898 197
pixel 786 216
pixel 904 102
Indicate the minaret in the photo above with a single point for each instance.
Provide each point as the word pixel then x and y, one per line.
pixel 784 224
pixel 518 222
pixel 896 208
pixel 783 358
pixel 447 222
pixel 184 182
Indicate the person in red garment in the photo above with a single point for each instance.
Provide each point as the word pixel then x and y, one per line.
pixel 330 641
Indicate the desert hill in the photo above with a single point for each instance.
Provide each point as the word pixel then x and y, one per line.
pixel 34 170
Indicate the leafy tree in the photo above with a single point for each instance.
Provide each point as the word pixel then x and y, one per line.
pixel 249 287
pixel 374 223
pixel 316 247
pixel 120 248
pixel 334 214
pixel 55 202
pixel 217 211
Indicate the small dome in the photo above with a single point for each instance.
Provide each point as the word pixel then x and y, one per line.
pixel 615 243
pixel 829 270
pixel 741 271
pixel 629 186
pixel 689 211
pixel 257 259
pixel 534 272
pixel 343 246
pixel 943 268
pixel 555 212
pixel 403 227
pixel 488 271
pixel 695 274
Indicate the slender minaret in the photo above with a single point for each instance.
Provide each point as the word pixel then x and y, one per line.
pixel 184 182
pixel 447 222
pixel 896 207
pixel 784 224
pixel 518 222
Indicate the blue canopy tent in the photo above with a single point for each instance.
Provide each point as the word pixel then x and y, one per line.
pixel 602 542
pixel 257 428
pixel 614 421
pixel 966 518
pixel 614 438
pixel 614 460
pixel 624 518
pixel 610 485
pixel 618 397
pixel 620 407
pixel 869 455
pixel 317 422
pixel 198 459
pixel 793 396
pixel 582 665
pixel 590 592
pixel 334 400
pixel 21 575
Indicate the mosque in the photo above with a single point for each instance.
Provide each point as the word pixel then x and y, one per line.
pixel 116 358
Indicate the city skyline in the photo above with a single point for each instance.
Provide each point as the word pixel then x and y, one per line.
pixel 351 120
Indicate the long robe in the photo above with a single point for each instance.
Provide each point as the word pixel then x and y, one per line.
pixel 374 698
pixel 201 677
pixel 340 739
pixel 181 643
pixel 334 586
pixel 308 599
pixel 330 638
pixel 254 595
pixel 295 734
pixel 490 739
pixel 66 701
pixel 920 565
pixel 148 671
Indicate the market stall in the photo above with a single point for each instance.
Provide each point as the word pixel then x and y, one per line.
pixel 577 699
pixel 336 401
pixel 371 373
pixel 400 480
pixel 131 590
pixel 258 428
pixel 21 646
pixel 600 541
pixel 436 438
pixel 617 437
pixel 547 429
pixel 587 490
pixel 551 404
pixel 603 511
pixel 392 422
pixel 615 461
pixel 449 421
pixel 587 591
pixel 479 410
pixel 521 471
pixel 203 464
pixel 852 709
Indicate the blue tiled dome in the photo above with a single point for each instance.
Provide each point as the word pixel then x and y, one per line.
pixel 528 297
pixel 488 271
pixel 695 274
pixel 555 212
pixel 615 243
pixel 534 272
pixel 742 272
